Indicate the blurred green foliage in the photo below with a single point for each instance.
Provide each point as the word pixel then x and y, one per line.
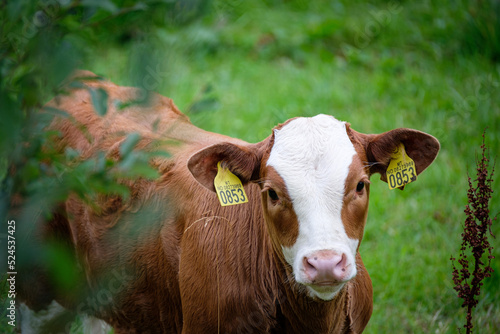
pixel 41 43
pixel 240 67
pixel 482 28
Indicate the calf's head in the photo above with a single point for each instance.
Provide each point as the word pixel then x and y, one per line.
pixel 314 174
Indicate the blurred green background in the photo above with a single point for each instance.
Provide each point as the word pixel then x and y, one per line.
pixel 241 67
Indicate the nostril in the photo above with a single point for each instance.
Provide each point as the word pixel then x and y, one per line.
pixel 309 263
pixel 342 262
pixel 309 268
pixel 340 267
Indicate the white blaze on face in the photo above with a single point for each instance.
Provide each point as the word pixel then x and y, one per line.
pixel 313 156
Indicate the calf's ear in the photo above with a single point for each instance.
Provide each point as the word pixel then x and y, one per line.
pixel 243 161
pixel 421 147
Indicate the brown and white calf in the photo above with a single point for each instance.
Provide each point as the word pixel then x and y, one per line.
pixel 285 262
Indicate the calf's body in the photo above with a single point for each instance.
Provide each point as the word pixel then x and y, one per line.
pixel 171 259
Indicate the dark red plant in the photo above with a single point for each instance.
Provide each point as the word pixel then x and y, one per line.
pixel 477 228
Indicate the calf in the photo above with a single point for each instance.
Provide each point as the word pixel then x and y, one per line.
pixel 171 259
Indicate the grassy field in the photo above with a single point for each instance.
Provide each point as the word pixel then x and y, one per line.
pixel 244 68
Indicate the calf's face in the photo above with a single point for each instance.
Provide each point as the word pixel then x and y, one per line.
pixel 314 175
pixel 315 201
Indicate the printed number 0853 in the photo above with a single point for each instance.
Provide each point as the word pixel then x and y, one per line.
pixel 401 178
pixel 233 196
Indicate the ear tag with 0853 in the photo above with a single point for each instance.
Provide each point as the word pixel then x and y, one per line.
pixel 401 170
pixel 228 187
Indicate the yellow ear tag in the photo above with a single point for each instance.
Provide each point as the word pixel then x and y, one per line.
pixel 228 186
pixel 401 170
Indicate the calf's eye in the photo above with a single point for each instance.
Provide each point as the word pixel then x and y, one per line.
pixel 272 194
pixel 360 186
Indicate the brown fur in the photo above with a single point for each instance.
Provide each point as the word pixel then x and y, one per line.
pixel 171 257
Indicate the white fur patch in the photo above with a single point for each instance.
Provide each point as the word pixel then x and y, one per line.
pixel 33 322
pixel 313 156
pixel 93 325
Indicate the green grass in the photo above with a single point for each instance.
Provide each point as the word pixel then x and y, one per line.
pixel 245 68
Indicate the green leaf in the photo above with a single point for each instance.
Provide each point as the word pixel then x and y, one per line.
pixel 76 84
pixel 106 5
pixel 140 6
pixel 137 168
pixel 129 143
pixel 3 167
pixel 100 162
pixel 56 112
pixel 71 153
pixel 99 100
